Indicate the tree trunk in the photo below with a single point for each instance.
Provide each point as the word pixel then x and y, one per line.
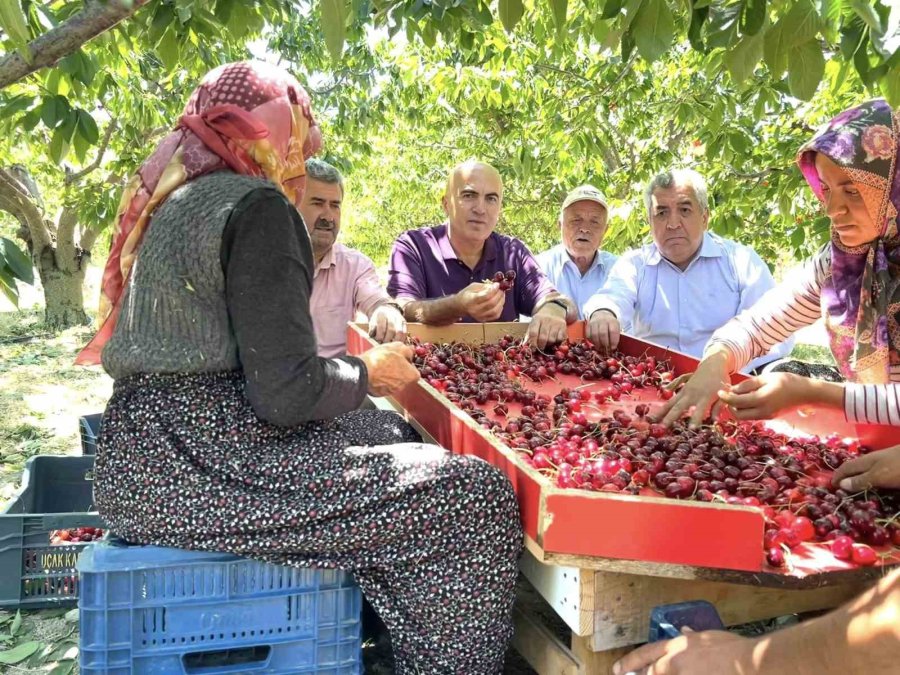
pixel 63 293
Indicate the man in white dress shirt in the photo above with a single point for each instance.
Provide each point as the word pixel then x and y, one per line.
pixel 578 267
pixel 677 290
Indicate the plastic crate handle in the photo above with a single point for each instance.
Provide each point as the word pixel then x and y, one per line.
pixel 235 660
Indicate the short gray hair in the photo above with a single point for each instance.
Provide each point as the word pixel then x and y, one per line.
pixel 319 170
pixel 667 179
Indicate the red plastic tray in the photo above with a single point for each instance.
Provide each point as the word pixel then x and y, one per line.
pixel 619 526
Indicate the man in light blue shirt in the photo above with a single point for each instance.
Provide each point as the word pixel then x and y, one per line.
pixel 676 291
pixel 577 267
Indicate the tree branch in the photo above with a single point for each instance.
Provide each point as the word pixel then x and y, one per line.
pixel 104 144
pixel 66 258
pixel 21 206
pixel 64 39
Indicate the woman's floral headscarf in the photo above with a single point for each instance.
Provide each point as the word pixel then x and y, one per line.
pixel 250 117
pixel 861 298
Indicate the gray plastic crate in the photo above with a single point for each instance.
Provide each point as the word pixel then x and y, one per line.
pixel 56 494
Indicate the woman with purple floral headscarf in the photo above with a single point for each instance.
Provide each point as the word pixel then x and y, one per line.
pixel 853 282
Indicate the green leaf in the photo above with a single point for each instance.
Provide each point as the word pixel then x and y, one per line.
pixel 510 13
pixel 168 49
pixel 695 31
pixel 627 44
pixel 12 20
pixel 334 25
pixel 753 15
pixel 162 19
pixel 63 668
pixel 17 621
pixel 889 84
pixel 611 9
pixel 560 10
pixel 8 288
pixel 743 57
pixel 54 111
pixel 87 127
pixel 62 138
pixel 867 13
pixel 19 652
pixel 21 266
pixel 806 66
pixel 798 26
pixel 653 29
pixel 722 28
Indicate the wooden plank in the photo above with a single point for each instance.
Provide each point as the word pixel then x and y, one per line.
pixel 566 589
pixel 859 575
pixel 623 603
pixel 593 662
pixel 540 648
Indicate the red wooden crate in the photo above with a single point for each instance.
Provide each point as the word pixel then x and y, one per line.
pixel 582 523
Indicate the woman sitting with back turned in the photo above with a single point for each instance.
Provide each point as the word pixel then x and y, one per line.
pixel 227 432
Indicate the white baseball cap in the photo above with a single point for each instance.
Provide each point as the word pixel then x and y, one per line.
pixel 585 193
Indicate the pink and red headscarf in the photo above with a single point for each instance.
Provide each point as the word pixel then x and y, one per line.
pixel 250 117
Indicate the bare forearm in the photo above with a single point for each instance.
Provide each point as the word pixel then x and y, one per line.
pixel 863 636
pixel 828 394
pixel 439 311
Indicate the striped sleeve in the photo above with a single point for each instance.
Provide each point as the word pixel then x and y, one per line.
pixel 777 315
pixel 872 403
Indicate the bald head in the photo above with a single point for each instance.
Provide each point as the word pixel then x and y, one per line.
pixel 469 169
pixel 472 203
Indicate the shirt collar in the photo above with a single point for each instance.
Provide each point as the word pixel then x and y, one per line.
pixel 598 260
pixel 328 261
pixel 710 248
pixel 446 248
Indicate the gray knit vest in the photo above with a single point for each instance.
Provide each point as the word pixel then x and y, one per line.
pixel 174 317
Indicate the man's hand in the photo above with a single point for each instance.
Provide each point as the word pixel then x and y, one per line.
pixel 387 324
pixel 483 302
pixel 700 393
pixel 879 469
pixel 603 330
pixel 763 397
pixel 708 651
pixel 547 326
pixel 390 368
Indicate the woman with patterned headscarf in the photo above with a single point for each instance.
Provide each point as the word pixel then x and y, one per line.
pixel 853 282
pixel 227 432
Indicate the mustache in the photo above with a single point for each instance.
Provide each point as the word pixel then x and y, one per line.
pixel 323 224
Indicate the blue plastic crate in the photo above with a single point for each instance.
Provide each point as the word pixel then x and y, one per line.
pixel 145 609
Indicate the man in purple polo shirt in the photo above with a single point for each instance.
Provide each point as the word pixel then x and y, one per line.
pixel 443 274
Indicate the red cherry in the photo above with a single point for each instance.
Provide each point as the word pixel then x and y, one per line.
pixel 864 555
pixel 842 548
pixel 775 557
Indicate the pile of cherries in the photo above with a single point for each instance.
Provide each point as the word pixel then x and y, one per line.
pixel 731 462
pixel 75 535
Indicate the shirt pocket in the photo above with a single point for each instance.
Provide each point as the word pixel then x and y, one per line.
pixel 711 303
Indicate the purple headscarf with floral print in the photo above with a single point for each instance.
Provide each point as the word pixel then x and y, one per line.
pixel 861 297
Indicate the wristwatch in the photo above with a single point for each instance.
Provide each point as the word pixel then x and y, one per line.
pixel 561 303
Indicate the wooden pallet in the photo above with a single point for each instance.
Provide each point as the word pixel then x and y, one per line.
pixel 607 610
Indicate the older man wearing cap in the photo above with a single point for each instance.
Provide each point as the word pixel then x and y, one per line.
pixel 456 271
pixel 577 266
pixel 677 290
